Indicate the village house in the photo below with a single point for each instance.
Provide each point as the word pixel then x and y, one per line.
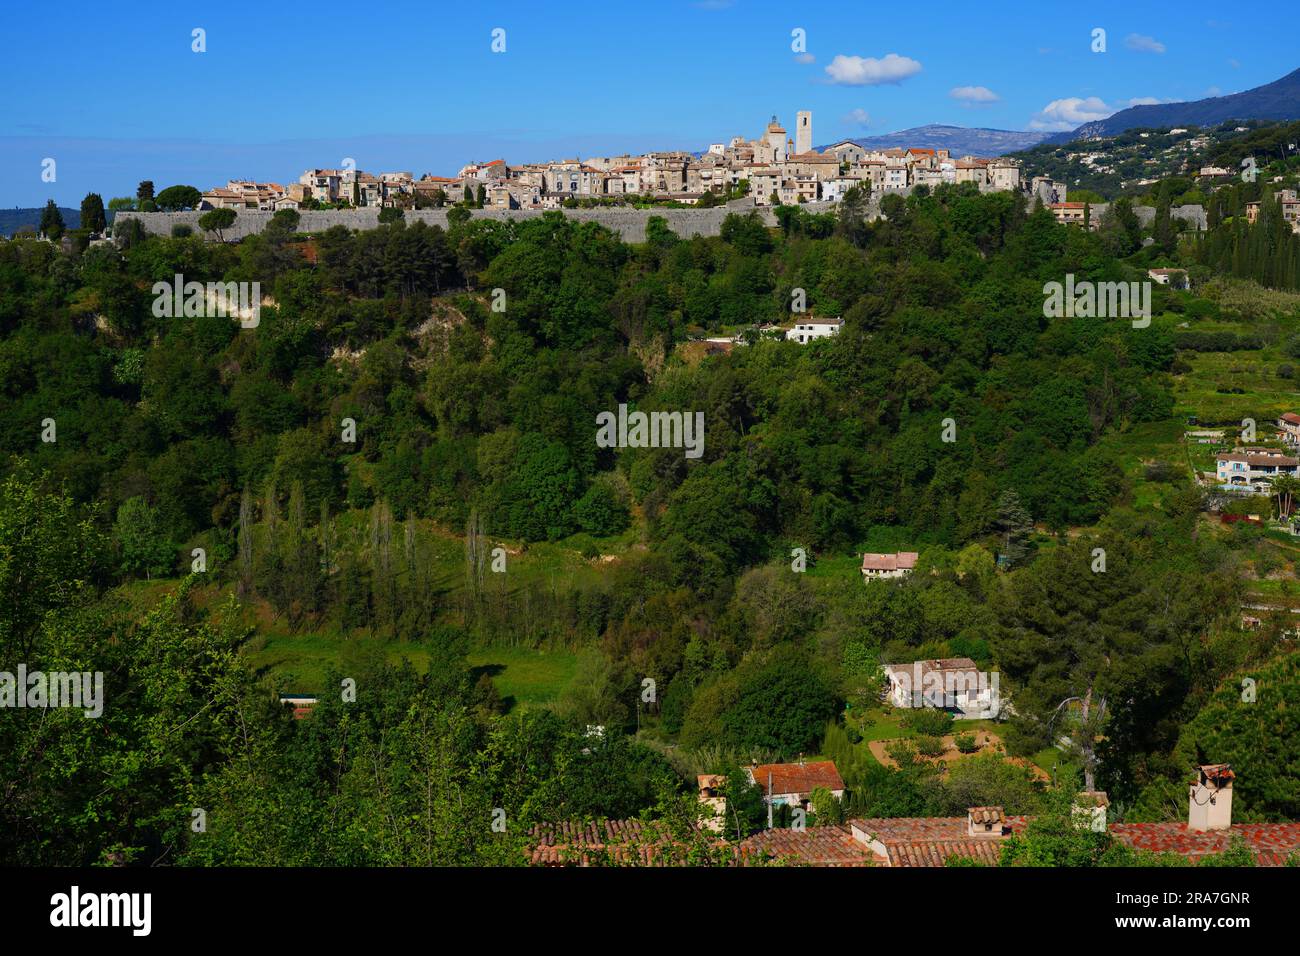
pixel 951 683
pixel 1074 214
pixel 323 185
pixel 1289 426
pixel 792 784
pixel 896 565
pixel 1253 466
pixel 242 194
pixel 1174 278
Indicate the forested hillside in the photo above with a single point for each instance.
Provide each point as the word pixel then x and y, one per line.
pixel 948 417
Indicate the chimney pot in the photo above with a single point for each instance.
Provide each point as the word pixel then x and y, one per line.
pixel 1209 799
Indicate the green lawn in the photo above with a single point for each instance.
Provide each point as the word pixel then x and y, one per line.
pixel 523 676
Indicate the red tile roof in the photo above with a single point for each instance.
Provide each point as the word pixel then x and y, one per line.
pixel 798 777
pixel 903 560
pixel 1271 842
pixel 1291 417
pixel 931 841
pixel 816 846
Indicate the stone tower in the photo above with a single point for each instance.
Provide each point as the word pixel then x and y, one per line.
pixel 803 141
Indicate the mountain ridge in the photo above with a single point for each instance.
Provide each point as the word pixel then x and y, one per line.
pixel 1278 100
pixel 961 140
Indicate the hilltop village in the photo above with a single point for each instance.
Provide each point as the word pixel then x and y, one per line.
pixel 771 169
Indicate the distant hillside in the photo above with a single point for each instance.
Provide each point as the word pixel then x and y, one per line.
pixel 961 140
pixel 11 220
pixel 1279 100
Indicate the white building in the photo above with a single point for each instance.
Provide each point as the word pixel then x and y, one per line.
pixel 1250 466
pixel 950 683
pixel 810 329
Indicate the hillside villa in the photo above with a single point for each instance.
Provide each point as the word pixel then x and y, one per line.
pixel 810 329
pixel 1253 466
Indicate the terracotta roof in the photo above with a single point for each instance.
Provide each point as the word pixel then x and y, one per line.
pixel 798 777
pixel 573 843
pixel 931 841
pixel 1256 458
pixel 815 846
pixel 1291 417
pixel 938 853
pixel 1271 842
pixel 902 560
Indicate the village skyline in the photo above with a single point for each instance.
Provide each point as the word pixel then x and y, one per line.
pixel 253 103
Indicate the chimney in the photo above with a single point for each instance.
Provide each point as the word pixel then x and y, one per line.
pixel 984 822
pixel 1090 810
pixel 1209 804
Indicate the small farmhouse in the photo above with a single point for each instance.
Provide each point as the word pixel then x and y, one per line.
pixel 896 565
pixel 792 784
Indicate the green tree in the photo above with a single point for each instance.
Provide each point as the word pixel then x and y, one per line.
pixel 92 213
pixel 217 220
pixel 176 198
pixel 143 545
pixel 52 225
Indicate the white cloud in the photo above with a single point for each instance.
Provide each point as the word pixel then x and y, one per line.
pixel 973 95
pixel 1143 44
pixel 1214 91
pixel 1143 101
pixel 868 71
pixel 858 117
pixel 1066 114
pixel 805 58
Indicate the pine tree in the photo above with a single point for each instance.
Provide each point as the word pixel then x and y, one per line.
pixel 92 213
pixel 52 221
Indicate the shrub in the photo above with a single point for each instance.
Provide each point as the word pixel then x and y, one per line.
pixel 182 230
pixel 928 721
pixel 929 746
pixel 966 743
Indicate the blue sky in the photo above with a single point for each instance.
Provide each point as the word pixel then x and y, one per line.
pixel 116 96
